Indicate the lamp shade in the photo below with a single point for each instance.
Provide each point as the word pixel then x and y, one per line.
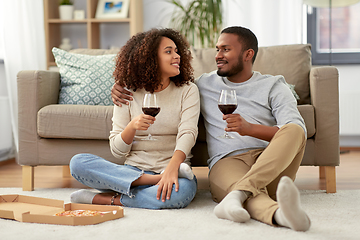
pixel 326 3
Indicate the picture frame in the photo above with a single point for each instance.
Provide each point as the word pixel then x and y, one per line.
pixel 112 9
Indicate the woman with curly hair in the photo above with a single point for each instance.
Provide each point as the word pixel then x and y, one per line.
pixel 156 174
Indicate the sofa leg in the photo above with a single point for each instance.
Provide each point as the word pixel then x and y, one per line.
pixel 322 172
pixel 330 178
pixel 66 171
pixel 27 178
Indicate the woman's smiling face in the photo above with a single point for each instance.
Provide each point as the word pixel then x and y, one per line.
pixel 169 59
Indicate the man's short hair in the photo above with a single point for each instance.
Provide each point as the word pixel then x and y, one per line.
pixel 246 37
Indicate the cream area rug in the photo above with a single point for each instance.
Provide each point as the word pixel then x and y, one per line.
pixel 334 216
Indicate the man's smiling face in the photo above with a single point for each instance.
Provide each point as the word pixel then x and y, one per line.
pixel 229 58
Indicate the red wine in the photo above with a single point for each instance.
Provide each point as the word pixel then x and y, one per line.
pixel 227 108
pixel 152 111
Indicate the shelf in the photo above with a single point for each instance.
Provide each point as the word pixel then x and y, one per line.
pixel 92 20
pixel 105 20
pixel 90 27
pixel 67 21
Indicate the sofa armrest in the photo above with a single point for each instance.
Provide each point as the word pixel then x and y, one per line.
pixel 324 92
pixel 36 89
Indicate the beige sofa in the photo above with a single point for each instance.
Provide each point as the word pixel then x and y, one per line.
pixel 51 133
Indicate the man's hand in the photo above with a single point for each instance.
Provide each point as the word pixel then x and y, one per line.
pixel 236 123
pixel 119 95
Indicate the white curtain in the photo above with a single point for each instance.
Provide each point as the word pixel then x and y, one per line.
pixel 23 46
pixel 274 22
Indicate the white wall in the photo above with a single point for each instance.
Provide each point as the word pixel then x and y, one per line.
pixel 157 14
pixel 349 91
pixel 6 139
pixel 286 20
pixel 3 90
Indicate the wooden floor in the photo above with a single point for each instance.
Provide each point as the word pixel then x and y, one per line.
pixel 347 175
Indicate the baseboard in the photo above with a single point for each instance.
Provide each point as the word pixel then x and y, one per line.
pixel 348 149
pixel 8 161
pixel 349 141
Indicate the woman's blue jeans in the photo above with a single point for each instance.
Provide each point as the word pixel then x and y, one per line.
pixel 98 173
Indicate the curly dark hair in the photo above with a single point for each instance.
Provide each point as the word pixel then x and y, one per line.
pixel 137 63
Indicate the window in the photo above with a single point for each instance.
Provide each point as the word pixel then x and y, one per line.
pixel 1 32
pixel 1 40
pixel 344 47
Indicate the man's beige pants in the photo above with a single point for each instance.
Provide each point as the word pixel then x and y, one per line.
pixel 259 171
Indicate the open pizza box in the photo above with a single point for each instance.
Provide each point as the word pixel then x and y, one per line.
pixel 43 210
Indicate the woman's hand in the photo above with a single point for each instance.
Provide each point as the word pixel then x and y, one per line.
pixel 169 178
pixel 142 122
pixel 120 95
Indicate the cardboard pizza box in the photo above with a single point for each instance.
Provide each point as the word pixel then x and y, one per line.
pixel 42 210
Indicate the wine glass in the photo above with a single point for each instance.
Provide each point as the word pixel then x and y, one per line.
pixel 150 107
pixel 227 104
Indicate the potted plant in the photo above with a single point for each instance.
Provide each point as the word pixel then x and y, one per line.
pixel 66 10
pixel 200 21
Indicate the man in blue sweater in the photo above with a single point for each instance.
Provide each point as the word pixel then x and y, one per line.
pixel 251 176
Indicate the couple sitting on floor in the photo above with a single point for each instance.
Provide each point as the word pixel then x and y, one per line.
pixel 251 175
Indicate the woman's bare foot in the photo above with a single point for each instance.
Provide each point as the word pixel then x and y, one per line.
pixel 105 199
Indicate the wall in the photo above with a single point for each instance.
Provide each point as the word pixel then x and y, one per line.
pixel 6 146
pixel 349 91
pixel 3 89
pixel 157 14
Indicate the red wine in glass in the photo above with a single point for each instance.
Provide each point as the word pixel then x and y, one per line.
pixel 152 111
pixel 227 108
pixel 227 104
pixel 150 107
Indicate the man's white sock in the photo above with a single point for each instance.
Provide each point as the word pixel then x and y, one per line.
pixel 185 171
pixel 231 207
pixel 290 214
pixel 82 196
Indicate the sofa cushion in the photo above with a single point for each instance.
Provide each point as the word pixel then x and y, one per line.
pixel 291 61
pixel 307 111
pixel 85 79
pixel 203 60
pixel 94 122
pixel 74 121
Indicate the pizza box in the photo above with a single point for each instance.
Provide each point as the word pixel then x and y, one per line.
pixel 42 210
